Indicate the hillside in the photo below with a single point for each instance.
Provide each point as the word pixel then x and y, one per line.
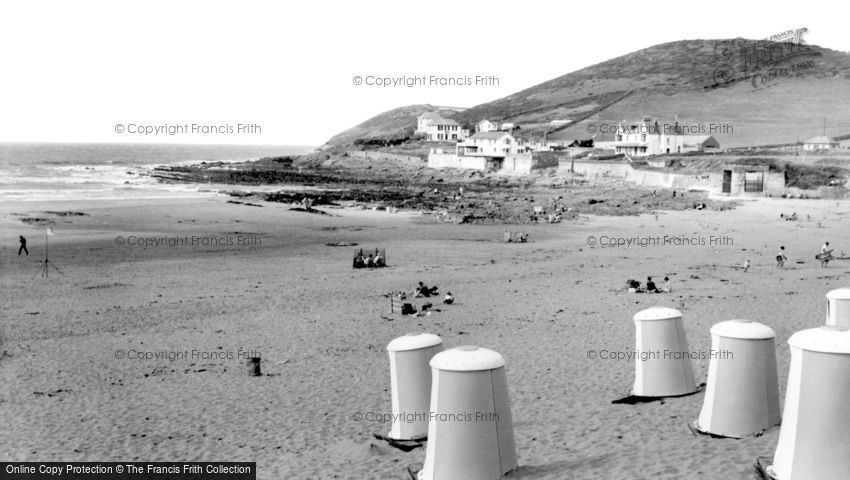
pixel 395 124
pixel 766 92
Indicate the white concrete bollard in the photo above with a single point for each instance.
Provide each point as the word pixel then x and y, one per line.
pixel 838 307
pixel 663 363
pixel 814 440
pixel 410 381
pixel 742 394
pixel 470 432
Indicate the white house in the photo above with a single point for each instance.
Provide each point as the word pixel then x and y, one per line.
pixel 485 126
pixel 820 143
pixel 605 145
pixel 437 128
pixel 489 144
pixel 507 126
pixel 646 138
pixel 535 144
pixel 489 151
pixel 425 119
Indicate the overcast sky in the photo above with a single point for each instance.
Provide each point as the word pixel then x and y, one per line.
pixel 72 71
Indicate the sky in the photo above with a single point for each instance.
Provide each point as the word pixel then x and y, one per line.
pixel 285 73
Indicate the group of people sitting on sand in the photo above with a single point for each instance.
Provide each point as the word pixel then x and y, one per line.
pixel 419 292
pixel 369 261
pixel 423 290
pixel 634 286
pixel 789 218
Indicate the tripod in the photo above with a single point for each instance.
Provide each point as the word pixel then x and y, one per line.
pixel 45 266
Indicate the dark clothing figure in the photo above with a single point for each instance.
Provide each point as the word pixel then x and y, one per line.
pixel 423 291
pixel 23 247
pixel 650 286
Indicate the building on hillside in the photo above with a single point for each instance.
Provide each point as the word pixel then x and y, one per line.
pixel 820 143
pixel 534 144
pixel 647 138
pixel 489 144
pixel 485 126
pixel 699 143
pixel 605 145
pixel 507 127
pixel 437 128
pixel 424 120
pixel 491 151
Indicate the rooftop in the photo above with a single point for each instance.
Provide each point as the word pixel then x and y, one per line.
pixel 820 139
pixel 490 135
pixel 431 116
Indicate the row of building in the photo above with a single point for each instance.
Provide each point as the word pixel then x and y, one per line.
pixel 497 139
pixel 436 128
pixel 494 146
pixel 636 139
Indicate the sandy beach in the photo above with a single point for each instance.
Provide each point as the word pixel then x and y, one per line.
pixel 273 287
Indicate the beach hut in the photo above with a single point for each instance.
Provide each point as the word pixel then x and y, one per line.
pixel 470 431
pixel 410 380
pixel 814 440
pixel 663 367
pixel 742 394
pixel 838 307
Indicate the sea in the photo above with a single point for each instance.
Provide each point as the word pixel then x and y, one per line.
pixel 104 171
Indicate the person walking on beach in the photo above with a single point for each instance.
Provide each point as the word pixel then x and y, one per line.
pixel 746 266
pixel 825 255
pixel 781 258
pixel 23 247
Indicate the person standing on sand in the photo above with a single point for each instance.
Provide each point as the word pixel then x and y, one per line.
pixel 23 247
pixel 746 266
pixel 781 258
pixel 825 255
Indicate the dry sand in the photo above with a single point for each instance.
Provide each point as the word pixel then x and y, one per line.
pixel 322 328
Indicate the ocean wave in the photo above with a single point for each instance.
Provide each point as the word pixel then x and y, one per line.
pixel 82 171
